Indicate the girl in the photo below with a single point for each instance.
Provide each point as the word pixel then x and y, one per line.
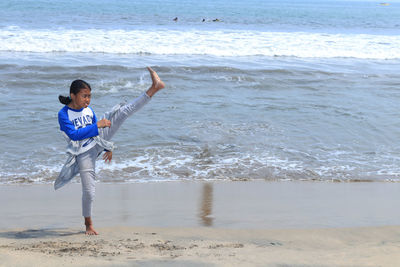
pixel 87 137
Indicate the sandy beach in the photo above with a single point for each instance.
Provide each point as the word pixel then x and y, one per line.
pixel 138 246
pixel 204 224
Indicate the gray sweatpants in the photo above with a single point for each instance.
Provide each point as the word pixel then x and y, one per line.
pixel 87 161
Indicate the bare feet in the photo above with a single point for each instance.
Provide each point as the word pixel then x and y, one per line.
pixel 90 230
pixel 89 227
pixel 157 83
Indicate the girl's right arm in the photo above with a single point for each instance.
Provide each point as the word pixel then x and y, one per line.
pixel 76 134
pixel 103 123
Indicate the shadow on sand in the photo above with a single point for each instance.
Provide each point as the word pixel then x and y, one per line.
pixel 38 233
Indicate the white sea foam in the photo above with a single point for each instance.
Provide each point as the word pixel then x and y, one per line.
pixel 196 42
pixel 153 167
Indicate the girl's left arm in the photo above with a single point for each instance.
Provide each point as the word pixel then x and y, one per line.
pixel 107 156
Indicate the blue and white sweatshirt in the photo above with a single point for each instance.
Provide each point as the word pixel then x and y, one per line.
pixel 79 128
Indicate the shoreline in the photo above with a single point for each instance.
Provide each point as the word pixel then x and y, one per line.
pixel 236 205
pixel 203 224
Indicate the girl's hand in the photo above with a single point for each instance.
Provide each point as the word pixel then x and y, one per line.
pixel 103 123
pixel 107 156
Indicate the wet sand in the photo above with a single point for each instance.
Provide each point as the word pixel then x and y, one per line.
pixel 239 205
pixel 204 224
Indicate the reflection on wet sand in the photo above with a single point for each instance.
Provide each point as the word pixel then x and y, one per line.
pixel 206 205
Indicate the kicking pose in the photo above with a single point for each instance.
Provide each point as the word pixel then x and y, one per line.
pixel 88 137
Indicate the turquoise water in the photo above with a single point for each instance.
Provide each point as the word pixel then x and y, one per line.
pixel 274 90
pixel 286 15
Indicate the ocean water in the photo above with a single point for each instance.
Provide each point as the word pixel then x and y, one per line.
pixel 271 90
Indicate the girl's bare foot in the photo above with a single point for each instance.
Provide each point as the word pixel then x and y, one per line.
pixel 157 83
pixel 90 230
pixel 89 227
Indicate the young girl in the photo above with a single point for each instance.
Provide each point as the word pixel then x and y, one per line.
pixel 87 137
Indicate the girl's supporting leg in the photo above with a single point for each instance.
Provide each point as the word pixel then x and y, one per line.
pixel 87 163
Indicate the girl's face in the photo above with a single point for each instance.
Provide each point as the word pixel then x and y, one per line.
pixel 81 99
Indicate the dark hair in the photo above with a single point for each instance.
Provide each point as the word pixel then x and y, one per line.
pixel 75 88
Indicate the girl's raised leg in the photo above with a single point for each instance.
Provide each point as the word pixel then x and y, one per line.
pixel 123 112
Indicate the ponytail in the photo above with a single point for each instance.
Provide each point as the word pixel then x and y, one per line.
pixel 75 87
pixel 64 99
